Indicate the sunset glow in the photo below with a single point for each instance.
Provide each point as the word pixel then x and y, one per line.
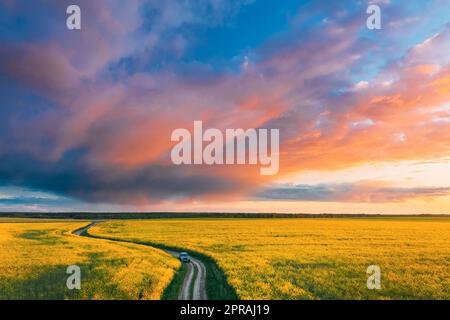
pixel 86 116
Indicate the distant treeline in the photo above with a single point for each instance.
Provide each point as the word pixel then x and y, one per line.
pixel 161 215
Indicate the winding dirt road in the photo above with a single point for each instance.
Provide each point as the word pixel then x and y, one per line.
pixel 194 283
pixel 79 232
pixel 197 268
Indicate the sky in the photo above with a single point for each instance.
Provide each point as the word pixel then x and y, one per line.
pixel 86 115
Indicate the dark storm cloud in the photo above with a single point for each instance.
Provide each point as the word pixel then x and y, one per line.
pixel 72 176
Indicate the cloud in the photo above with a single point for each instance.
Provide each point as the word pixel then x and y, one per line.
pixel 88 115
pixel 73 177
pixel 357 192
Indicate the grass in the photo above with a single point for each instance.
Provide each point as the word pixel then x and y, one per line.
pixel 309 258
pixel 173 289
pixel 35 256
